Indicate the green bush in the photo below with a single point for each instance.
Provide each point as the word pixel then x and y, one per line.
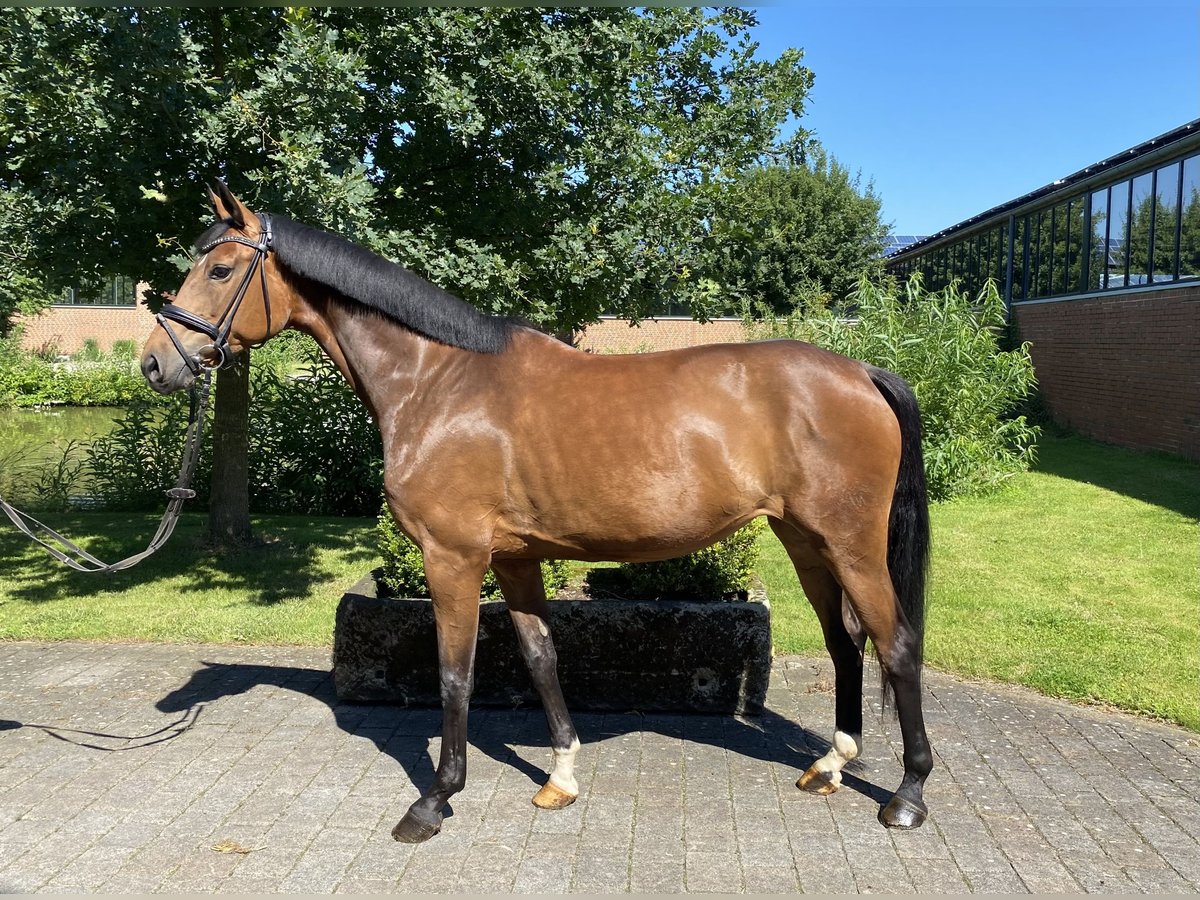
pixel 948 347
pixel 289 351
pixel 313 448
pixel 134 463
pixel 709 574
pixel 89 352
pixel 403 571
pixel 90 378
pixel 125 349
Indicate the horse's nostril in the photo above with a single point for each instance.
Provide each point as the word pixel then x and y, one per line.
pixel 150 368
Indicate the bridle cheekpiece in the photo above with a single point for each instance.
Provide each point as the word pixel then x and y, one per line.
pixel 219 332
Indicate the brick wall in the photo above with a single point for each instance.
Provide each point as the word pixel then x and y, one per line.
pixel 617 336
pixel 1123 368
pixel 67 327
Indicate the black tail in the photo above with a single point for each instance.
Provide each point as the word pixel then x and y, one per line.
pixel 908 525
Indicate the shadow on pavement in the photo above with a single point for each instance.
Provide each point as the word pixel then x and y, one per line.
pixel 81 738
pixel 404 733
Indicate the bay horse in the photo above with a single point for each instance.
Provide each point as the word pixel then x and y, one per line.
pixel 504 446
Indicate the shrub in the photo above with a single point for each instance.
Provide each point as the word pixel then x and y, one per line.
pixel 90 378
pixel 89 352
pixel 709 574
pixel 948 348
pixel 287 352
pixel 125 349
pixel 313 446
pixel 313 449
pixel 134 463
pixel 403 571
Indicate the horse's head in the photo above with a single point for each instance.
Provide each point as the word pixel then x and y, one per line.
pixel 232 298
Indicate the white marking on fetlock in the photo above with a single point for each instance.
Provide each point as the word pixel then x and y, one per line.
pixel 563 774
pixel 844 749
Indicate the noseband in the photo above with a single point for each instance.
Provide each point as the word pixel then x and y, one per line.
pixel 219 332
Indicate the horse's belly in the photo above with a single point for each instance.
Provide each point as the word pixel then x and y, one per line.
pixel 638 519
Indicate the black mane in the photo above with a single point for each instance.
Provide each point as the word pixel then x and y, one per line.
pixel 358 275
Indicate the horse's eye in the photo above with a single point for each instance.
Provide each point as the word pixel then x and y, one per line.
pixel 219 273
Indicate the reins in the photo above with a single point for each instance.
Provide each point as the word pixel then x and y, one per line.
pixel 76 557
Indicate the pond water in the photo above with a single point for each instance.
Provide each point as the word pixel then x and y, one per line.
pixel 33 436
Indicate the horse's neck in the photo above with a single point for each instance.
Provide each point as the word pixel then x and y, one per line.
pixel 385 363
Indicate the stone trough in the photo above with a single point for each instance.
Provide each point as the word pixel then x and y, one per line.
pixel 689 656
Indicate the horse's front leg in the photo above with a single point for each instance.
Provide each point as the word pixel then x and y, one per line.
pixel 525 593
pixel 454 581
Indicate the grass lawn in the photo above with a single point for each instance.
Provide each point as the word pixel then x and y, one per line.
pixel 282 593
pixel 1079 580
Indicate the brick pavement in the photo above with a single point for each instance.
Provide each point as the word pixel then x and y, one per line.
pixel 122 766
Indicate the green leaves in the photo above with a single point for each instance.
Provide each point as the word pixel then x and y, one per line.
pixel 403 571
pixel 784 231
pixel 549 163
pixel 713 573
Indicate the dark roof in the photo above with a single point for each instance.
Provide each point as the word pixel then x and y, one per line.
pixel 1090 172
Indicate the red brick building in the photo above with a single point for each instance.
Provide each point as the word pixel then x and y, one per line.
pixel 1101 274
pixel 112 315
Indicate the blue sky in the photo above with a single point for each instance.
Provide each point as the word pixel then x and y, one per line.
pixel 952 107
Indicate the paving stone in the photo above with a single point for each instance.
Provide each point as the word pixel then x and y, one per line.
pixel 603 872
pixel 547 865
pixel 490 868
pixel 1027 793
pixel 709 872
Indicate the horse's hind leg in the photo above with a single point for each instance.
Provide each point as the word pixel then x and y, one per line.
pixel 525 593
pixel 454 582
pixel 844 640
pixel 861 566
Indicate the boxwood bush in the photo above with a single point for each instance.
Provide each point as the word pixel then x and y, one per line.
pixel 403 571
pixel 714 573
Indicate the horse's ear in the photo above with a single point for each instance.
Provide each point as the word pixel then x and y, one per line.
pixel 212 201
pixel 225 205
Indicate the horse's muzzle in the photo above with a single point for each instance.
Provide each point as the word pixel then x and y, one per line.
pixel 166 378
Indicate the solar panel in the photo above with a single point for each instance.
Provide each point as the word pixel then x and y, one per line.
pixel 894 243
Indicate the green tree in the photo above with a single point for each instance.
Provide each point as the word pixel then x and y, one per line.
pixel 784 230
pixel 547 163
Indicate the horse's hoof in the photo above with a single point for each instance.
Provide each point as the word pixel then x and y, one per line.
pixel 903 813
pixel 552 797
pixel 816 782
pixel 417 827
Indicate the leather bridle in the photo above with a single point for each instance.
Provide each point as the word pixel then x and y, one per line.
pixel 219 332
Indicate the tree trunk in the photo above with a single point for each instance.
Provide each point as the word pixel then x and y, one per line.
pixel 229 496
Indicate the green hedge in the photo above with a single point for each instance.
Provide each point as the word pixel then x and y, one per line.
pixel 89 378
